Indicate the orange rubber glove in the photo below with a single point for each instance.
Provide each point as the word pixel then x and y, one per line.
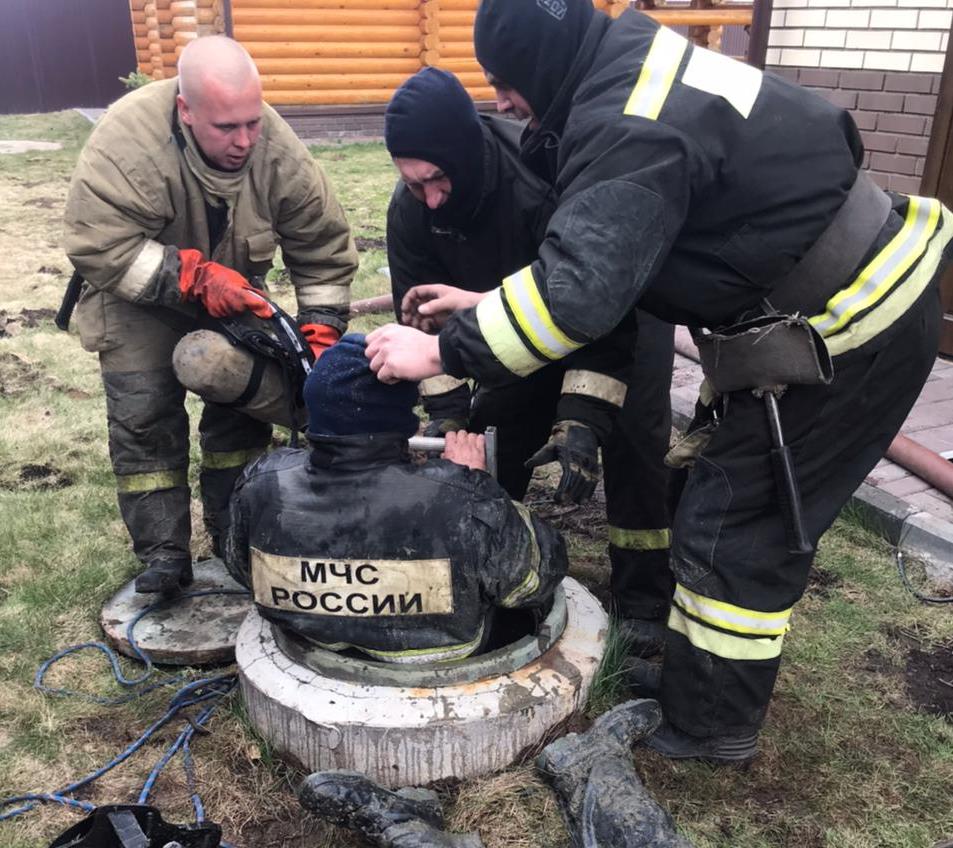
pixel 320 337
pixel 222 291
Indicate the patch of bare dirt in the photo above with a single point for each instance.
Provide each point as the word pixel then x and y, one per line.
pixel 25 319
pixel 44 202
pixel 929 678
pixel 33 477
pixel 370 243
pixel 821 582
pixel 17 375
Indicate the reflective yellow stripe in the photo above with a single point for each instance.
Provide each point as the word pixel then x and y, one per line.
pixel 501 338
pixel 729 617
pixel 724 644
pixel 439 653
pixel 657 75
pixel 533 317
pixel 883 271
pixel 219 460
pixel 901 299
pixel 595 385
pixel 530 582
pixel 151 481
pixel 640 540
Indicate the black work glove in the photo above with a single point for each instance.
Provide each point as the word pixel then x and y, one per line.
pixel 448 412
pixel 575 447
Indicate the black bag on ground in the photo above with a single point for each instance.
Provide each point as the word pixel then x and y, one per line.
pixel 136 826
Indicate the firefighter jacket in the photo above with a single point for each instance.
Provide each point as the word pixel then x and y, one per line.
pixel 142 191
pixel 690 184
pixel 504 235
pixel 351 545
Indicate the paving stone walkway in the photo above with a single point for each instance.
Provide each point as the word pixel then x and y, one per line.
pixel 930 423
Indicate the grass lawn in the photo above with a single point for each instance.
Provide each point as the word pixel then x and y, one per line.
pixel 857 751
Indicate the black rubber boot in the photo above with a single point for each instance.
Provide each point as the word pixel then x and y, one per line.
pixel 645 636
pixel 602 799
pixel 566 763
pixel 719 750
pixel 165 576
pixel 419 834
pixel 617 810
pixel 643 678
pixel 351 800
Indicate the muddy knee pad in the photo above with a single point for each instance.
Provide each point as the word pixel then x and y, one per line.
pixel 221 372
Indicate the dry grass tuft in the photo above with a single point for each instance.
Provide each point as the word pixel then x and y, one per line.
pixel 514 809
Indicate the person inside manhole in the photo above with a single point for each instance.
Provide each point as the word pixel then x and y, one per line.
pixel 352 546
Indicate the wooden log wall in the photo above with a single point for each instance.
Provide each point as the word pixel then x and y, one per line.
pixel 161 29
pixel 343 52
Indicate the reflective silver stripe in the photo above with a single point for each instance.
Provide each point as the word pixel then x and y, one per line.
pixel 657 75
pixel 901 299
pixel 440 385
pixel 144 267
pixel 504 342
pixel 730 617
pixel 596 385
pixel 882 273
pixel 312 295
pixel 724 644
pixel 718 74
pixel 534 318
pixel 640 540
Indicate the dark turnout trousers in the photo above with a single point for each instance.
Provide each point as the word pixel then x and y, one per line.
pixel 736 580
pixel 149 430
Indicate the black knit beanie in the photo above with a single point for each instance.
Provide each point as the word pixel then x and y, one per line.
pixel 431 117
pixel 531 44
pixel 345 398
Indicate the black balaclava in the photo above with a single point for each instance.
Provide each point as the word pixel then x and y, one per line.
pixel 431 117
pixel 531 44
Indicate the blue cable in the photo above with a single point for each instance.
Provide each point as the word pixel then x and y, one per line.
pixel 195 692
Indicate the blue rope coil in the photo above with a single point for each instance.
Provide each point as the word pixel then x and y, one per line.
pixel 209 691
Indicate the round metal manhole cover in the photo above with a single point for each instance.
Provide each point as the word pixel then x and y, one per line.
pixel 197 628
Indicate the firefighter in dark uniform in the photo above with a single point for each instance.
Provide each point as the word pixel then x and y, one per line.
pixel 468 212
pixel 350 544
pixel 730 200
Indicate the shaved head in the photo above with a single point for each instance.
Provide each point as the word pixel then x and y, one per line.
pixel 220 99
pixel 214 62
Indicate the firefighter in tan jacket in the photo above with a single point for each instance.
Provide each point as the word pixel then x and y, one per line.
pixel 180 197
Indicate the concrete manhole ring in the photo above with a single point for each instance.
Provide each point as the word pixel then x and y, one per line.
pixel 414 735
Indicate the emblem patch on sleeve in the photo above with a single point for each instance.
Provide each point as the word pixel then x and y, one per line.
pixel 352 587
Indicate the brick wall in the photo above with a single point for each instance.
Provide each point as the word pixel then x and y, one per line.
pixel 894 112
pixel 881 59
pixel 879 35
pixel 319 124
